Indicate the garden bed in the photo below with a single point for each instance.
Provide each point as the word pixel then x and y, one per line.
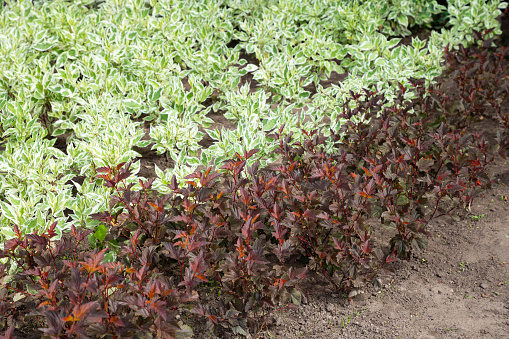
pixel 336 224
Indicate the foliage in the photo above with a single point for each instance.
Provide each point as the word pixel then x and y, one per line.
pixel 467 15
pixel 149 260
pixel 91 72
pixel 421 165
pixel 251 233
pixel 71 292
pixel 116 256
pixel 480 75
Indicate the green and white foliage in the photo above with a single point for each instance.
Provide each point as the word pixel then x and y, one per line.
pixel 33 189
pixel 465 15
pixel 97 72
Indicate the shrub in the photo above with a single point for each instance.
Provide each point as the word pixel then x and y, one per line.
pixel 480 75
pixel 72 291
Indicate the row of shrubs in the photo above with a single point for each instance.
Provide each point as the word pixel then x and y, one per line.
pixel 237 243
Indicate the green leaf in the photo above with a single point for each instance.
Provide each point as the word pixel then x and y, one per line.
pixel 402 20
pixel 365 45
pixel 251 68
pixel 114 244
pixel 131 103
pixel 143 143
pixel 43 46
pixel 380 62
pixel 8 210
pixel 402 200
pixel 65 92
pixel 92 240
pixel 154 95
pixel 58 132
pixel 304 95
pixel 100 232
pixel 392 43
pixel 109 257
pixel 94 38
pixel 132 35
pixel 269 124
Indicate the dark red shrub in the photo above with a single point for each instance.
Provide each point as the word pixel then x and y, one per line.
pixel 481 78
pixel 71 291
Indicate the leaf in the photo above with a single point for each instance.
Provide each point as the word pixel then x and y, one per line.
pixel 185 331
pixel 269 124
pixel 131 104
pixel 424 164
pixel 156 207
pixel 391 259
pixel 11 244
pixel 402 200
pixel 380 61
pixel 402 20
pixel 365 45
pixel 251 68
pixel 366 247
pixel 100 232
pixel 94 38
pixel 93 263
pixel 419 243
pixel 296 297
pixel 80 311
pixel 18 296
pixel 8 334
pixel 109 257
pixel 8 210
pixel 43 47
pixel 240 330
pixel 154 95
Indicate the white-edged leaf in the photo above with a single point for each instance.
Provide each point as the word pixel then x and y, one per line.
pixel 94 38
pixel 251 68
pixel 43 46
pixel 131 103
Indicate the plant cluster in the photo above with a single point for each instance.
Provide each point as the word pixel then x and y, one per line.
pixel 148 259
pixel 89 72
pixel 480 75
pixel 251 233
pixel 71 292
pixel 121 257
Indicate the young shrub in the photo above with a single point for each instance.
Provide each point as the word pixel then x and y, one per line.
pixel 71 291
pixel 324 208
pixel 423 165
pixel 480 75
pixel 211 233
